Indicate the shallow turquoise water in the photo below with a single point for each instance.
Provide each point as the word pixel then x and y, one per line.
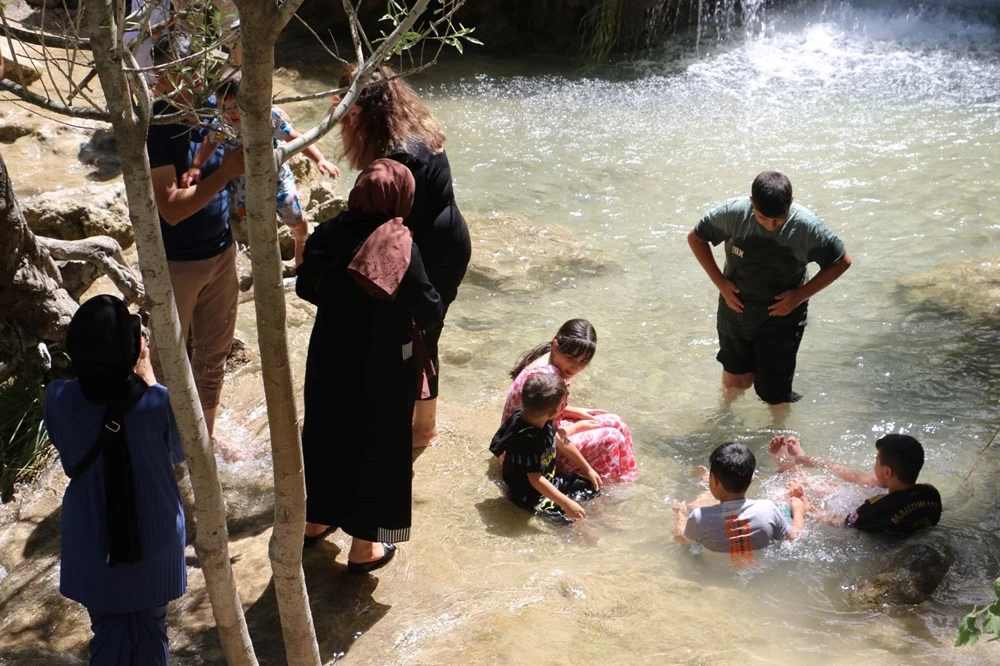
pixel 887 120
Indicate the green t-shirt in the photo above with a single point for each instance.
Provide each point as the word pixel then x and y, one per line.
pixel 765 263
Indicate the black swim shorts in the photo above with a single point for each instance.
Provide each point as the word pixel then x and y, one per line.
pixel 753 341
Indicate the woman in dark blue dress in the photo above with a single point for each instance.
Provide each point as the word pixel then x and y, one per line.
pixel 122 551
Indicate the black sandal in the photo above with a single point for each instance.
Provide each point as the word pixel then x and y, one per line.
pixel 316 538
pixel 367 567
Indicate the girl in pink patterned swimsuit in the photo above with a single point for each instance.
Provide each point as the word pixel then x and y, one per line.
pixel 602 438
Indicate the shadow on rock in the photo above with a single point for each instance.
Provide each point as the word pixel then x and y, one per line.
pixel 909 575
pixel 44 539
pixel 342 609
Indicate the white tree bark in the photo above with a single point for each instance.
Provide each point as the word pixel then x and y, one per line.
pixel 103 252
pixel 263 20
pixel 130 118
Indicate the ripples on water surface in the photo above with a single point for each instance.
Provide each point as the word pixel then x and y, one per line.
pixel 886 120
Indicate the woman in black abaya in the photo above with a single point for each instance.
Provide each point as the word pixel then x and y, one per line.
pixel 366 277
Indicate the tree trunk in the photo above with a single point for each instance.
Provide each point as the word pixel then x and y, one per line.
pixel 261 19
pixel 105 255
pixel 34 309
pixel 131 122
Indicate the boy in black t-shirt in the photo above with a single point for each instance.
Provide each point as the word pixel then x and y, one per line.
pixel 907 506
pixel 527 443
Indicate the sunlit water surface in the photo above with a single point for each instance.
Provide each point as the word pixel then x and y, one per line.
pixel 887 120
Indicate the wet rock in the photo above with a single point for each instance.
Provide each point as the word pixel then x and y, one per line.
pixel 286 243
pixel 240 356
pixel 11 133
pixel 457 356
pixel 244 271
pixel 910 576
pixel 324 203
pixel 73 214
pixel 512 254
pixel 101 151
pixel 970 287
pixel 21 69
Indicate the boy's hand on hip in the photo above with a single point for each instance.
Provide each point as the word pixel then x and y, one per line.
pixel 785 303
pixel 728 289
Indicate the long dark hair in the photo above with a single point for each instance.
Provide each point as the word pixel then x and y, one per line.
pixel 576 338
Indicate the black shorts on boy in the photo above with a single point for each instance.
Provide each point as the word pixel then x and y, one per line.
pixel 753 341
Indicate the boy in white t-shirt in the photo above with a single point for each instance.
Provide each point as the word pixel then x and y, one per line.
pixel 736 525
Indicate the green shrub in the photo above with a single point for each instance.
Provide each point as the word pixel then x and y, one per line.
pixel 24 444
pixel 982 621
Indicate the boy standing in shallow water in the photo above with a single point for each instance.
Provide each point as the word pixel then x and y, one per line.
pixel 906 507
pixel 763 290
pixel 736 525
pixel 527 443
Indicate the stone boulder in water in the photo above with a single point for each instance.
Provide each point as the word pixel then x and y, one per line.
pixel 77 213
pixel 909 577
pixel 970 287
pixel 510 254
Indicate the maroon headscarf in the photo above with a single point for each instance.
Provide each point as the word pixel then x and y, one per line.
pixel 384 190
pixel 385 187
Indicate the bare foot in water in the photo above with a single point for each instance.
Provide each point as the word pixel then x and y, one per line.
pixel 779 450
pixel 228 451
pixel 423 440
pixel 702 473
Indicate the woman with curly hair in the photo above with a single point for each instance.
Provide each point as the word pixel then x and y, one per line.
pixel 389 120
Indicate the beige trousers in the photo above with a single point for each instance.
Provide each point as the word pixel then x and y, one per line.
pixel 207 292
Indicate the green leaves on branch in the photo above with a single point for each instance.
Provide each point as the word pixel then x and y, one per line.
pixel 982 621
pixel 439 27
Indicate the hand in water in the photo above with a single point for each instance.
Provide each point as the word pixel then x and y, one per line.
pixel 574 511
pixel 595 479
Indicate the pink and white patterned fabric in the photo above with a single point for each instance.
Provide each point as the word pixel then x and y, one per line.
pixel 608 448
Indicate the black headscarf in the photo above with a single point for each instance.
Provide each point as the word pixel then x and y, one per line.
pixel 103 342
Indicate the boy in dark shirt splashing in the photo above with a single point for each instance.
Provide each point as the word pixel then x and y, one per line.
pixel 527 442
pixel 908 506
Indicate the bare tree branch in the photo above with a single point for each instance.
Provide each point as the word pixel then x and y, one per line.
pixel 320 41
pixel 286 11
pixel 49 105
pixel 310 96
pixel 103 252
pixel 292 148
pixel 352 19
pixel 48 39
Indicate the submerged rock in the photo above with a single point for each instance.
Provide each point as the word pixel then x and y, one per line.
pixel 511 254
pixel 910 576
pixel 77 213
pixel 970 287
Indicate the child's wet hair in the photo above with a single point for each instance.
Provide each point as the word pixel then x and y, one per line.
pixel 772 193
pixel 576 338
pixel 542 394
pixel 903 454
pixel 733 464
